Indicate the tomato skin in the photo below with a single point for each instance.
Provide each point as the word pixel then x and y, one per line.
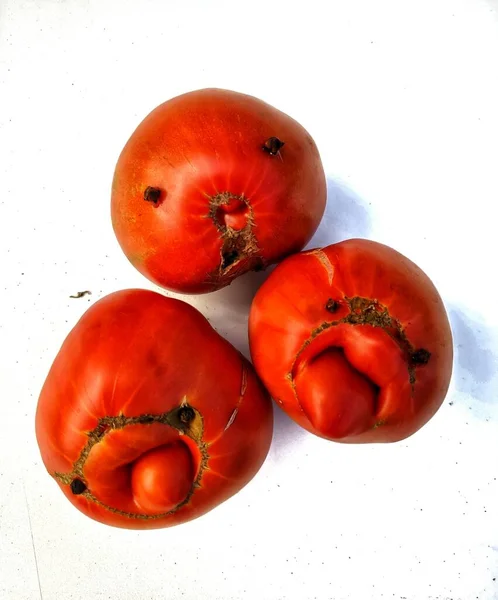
pixel 388 322
pixel 162 478
pixel 219 202
pixel 139 381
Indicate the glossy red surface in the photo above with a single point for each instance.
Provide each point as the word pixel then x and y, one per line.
pixel 340 337
pixel 222 204
pixel 149 415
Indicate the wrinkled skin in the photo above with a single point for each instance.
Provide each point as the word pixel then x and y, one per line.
pixel 148 417
pixel 353 341
pixel 198 199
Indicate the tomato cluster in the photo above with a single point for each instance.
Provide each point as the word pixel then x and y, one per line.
pixel 148 417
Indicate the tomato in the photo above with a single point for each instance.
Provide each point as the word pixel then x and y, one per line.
pixel 212 184
pixel 148 417
pixel 353 341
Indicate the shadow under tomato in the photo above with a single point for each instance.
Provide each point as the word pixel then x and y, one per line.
pixel 475 364
pixel 242 290
pixel 228 309
pixel 346 216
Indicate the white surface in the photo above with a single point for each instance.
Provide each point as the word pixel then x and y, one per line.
pixel 402 100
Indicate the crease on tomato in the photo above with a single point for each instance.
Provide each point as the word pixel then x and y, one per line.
pixel 235 411
pixel 369 312
pixel 239 250
pixel 194 430
pixel 324 260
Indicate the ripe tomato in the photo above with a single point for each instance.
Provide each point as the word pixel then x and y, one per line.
pixel 213 184
pixel 148 417
pixel 353 341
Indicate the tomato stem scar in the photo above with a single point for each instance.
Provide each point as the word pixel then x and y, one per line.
pixel 186 414
pixel 152 194
pixel 421 356
pixel 228 258
pixel 273 146
pixel 332 305
pixel 77 486
pixel 238 240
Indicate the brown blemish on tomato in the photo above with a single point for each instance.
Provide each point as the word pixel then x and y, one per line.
pixel 273 146
pixel 420 356
pixel 192 426
pixel 229 258
pixel 186 414
pixel 233 217
pixel 332 306
pixel 77 486
pixel 152 194
pixel 368 311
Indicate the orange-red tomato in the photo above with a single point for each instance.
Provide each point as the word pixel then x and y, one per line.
pixel 148 417
pixel 212 184
pixel 353 341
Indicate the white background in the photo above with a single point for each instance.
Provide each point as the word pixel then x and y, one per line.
pixel 402 100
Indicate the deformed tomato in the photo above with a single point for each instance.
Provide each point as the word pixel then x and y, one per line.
pixel 353 341
pixel 212 184
pixel 148 417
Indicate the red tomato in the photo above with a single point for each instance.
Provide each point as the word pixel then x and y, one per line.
pixel 353 341
pixel 148 417
pixel 213 184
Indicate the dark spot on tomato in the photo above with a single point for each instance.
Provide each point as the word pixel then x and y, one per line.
pixel 228 258
pixel 273 145
pixel 420 356
pixel 78 486
pixel 152 194
pixel 332 305
pixel 186 414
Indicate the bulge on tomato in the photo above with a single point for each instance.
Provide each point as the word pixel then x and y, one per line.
pixel 212 184
pixel 353 342
pixel 148 417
